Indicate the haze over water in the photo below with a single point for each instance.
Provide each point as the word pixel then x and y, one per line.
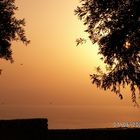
pixel 66 117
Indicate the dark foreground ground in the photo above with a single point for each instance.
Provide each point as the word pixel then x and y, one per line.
pixel 95 134
pixel 37 129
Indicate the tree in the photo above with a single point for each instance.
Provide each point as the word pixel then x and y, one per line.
pixel 11 28
pixel 115 26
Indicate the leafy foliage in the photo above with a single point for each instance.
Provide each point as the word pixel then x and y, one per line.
pixel 80 41
pixel 115 26
pixel 11 28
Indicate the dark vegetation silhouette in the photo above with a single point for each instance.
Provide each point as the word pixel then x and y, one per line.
pixel 115 26
pixel 11 28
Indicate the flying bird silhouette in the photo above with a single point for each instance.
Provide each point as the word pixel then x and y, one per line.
pixel 0 71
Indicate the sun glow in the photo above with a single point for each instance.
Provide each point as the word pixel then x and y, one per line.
pixel 52 71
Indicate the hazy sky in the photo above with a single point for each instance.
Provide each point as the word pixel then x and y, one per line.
pixel 54 70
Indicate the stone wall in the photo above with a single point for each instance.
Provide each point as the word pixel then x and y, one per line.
pixel 24 129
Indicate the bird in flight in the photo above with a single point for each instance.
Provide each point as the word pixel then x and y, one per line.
pixel 0 71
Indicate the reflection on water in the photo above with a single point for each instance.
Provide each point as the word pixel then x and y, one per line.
pixel 72 116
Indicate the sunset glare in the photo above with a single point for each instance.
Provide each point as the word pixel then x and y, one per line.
pixel 50 77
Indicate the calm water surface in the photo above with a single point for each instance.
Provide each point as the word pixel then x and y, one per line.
pixel 60 116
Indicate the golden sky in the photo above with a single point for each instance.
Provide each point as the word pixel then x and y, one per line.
pixel 54 70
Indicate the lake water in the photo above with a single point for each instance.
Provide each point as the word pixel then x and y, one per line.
pixel 60 116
